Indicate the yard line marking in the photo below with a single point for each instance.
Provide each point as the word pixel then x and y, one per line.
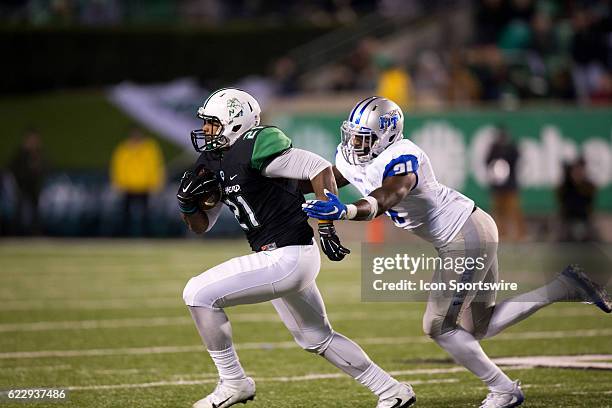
pixel 97 304
pixel 89 304
pixel 176 321
pixel 102 352
pixel 290 344
pixel 556 334
pixel 591 392
pixel 239 317
pixel 55 367
pixel 596 361
pixel 306 377
pixel 310 377
pixel 95 324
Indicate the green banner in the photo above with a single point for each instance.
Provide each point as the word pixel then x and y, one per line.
pixel 458 142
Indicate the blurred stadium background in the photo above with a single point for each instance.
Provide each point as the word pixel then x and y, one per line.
pixel 80 74
pixel 512 99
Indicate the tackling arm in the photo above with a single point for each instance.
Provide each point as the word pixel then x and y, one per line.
pixel 305 166
pixel 392 191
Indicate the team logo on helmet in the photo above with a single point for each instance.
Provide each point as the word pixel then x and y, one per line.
pixel 234 108
pixel 389 119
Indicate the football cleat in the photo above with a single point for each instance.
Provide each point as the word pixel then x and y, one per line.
pixel 498 399
pixel 402 396
pixel 590 291
pixel 228 393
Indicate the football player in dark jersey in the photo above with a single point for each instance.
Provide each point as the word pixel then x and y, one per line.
pixel 258 173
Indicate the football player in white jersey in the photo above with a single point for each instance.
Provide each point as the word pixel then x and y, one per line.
pixel 395 177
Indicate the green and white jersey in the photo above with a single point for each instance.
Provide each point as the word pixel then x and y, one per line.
pixel 269 210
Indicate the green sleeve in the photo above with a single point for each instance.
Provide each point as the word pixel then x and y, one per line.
pixel 270 142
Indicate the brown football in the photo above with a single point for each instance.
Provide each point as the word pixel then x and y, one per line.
pixel 211 199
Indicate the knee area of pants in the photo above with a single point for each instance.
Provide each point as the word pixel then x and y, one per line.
pixel 313 342
pixel 188 292
pixel 195 295
pixel 433 327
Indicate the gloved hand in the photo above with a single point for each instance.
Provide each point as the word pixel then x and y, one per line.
pixel 330 243
pixel 195 186
pixel 332 209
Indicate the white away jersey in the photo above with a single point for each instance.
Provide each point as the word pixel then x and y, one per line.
pixel 431 210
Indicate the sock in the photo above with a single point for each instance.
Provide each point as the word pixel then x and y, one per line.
pixel 216 332
pixel 512 311
pixel 227 364
pixel 466 350
pixel 377 380
pixel 350 358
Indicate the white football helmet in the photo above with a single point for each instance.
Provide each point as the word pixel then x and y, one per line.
pixel 233 111
pixel 373 125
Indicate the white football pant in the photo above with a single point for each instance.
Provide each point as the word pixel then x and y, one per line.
pixel 286 277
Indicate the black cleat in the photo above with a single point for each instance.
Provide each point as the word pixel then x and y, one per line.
pixel 591 291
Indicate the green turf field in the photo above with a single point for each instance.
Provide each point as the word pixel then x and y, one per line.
pixel 106 319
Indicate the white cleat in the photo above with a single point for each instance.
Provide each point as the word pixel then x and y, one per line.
pixel 228 393
pixel 402 396
pixel 497 399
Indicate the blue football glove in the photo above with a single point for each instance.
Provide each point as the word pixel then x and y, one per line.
pixel 332 209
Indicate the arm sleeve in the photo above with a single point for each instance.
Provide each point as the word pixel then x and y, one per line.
pixel 213 215
pixel 296 164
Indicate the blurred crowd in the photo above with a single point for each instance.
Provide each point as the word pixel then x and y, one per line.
pixel 544 48
pixel 196 12
pixel 520 49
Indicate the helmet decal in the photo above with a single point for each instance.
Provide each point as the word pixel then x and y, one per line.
pixel 389 119
pixel 234 108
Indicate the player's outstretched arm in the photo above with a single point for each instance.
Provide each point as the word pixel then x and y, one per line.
pixel 302 165
pixel 392 191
